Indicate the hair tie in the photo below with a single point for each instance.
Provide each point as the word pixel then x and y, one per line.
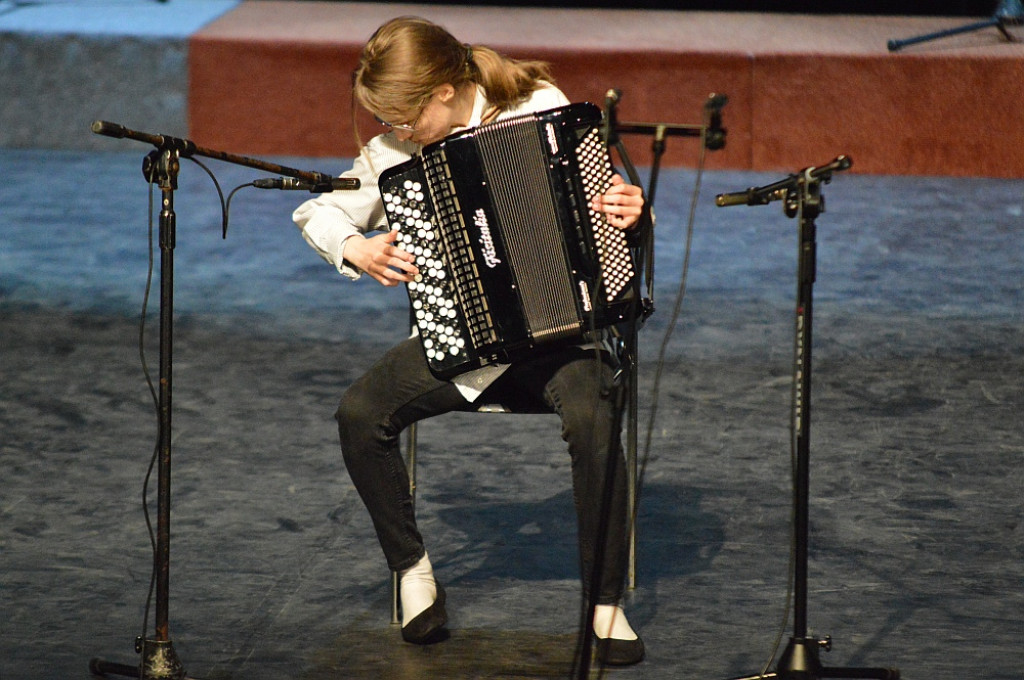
pixel 469 52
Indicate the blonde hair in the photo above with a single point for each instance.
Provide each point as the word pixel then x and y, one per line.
pixel 407 58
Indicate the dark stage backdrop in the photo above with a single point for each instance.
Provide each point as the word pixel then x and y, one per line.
pixel 972 8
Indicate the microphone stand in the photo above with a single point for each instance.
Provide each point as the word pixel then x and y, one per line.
pixel 1008 13
pixel 803 199
pixel 643 251
pixel 714 139
pixel 160 167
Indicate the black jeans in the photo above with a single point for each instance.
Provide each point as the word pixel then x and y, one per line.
pixel 399 390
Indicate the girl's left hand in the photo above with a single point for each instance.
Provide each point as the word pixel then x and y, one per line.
pixel 622 203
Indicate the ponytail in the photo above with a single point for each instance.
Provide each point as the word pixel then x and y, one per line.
pixel 506 82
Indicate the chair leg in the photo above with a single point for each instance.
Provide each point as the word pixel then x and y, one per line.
pixel 394 598
pixel 631 473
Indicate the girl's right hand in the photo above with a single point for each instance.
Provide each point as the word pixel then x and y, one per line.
pixel 379 257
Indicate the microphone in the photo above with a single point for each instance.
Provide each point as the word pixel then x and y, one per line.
pixel 293 184
pixel 285 183
pixel 608 125
pixel 748 197
pixel 102 127
pixel 714 138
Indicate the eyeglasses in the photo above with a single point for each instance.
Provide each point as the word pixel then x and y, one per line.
pixel 405 127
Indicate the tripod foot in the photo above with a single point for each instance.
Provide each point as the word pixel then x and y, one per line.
pixel 853 672
pixel 101 667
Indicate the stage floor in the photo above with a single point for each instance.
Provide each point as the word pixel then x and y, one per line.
pixel 917 443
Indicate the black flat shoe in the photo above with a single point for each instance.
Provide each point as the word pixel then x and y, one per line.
pixel 615 652
pixel 428 626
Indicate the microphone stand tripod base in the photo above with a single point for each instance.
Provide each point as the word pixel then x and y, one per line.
pixel 800 660
pixel 159 662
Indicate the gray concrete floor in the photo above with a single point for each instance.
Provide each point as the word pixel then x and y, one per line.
pixel 916 442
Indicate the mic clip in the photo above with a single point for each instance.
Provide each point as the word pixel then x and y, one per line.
pixel 610 123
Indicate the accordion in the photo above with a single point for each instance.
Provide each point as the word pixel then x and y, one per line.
pixel 510 254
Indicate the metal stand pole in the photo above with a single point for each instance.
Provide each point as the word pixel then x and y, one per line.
pixel 159 659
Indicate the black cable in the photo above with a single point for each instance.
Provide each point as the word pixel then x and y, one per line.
pixel 220 195
pixel 156 409
pixel 227 208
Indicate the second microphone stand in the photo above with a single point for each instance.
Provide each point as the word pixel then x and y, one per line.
pixel 803 200
pixel 713 136
pixel 160 167
pixel 1008 13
